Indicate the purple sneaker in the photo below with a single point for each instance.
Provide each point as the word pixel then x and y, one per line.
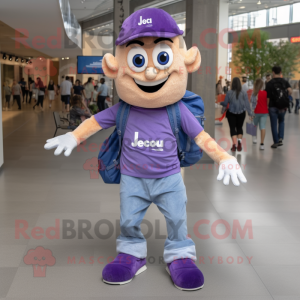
pixel 185 275
pixel 123 268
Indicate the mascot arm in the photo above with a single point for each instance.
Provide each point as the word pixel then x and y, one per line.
pixel 229 167
pixel 211 148
pixel 68 142
pixel 86 129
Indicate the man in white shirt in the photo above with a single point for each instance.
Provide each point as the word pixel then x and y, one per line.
pixel 245 87
pixel 65 91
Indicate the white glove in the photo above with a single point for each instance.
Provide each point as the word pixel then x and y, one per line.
pixel 62 142
pixel 231 168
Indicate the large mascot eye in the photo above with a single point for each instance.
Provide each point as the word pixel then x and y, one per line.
pixel 137 59
pixel 162 56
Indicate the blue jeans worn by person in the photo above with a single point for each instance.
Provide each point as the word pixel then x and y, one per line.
pixel 169 194
pixel 277 123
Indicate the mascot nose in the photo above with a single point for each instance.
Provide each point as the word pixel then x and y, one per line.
pixel 151 73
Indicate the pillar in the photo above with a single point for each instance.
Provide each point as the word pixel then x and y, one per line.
pixel 201 25
pixel 223 39
pixel 1 130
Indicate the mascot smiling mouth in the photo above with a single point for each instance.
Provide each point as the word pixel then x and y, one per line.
pixel 151 87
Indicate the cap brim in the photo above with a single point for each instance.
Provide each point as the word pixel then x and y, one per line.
pixel 144 34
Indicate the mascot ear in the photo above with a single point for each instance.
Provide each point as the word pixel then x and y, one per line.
pixel 192 59
pixel 110 66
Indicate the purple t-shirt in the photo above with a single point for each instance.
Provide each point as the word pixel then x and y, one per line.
pixel 149 147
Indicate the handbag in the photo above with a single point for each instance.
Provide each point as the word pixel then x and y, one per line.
pixel 251 129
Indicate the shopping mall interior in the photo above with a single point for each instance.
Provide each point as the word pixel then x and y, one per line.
pixel 60 221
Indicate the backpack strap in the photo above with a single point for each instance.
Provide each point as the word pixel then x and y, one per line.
pixel 121 122
pixel 175 122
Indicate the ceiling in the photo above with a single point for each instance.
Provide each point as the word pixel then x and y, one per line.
pixel 8 44
pixel 86 9
pixel 251 5
pixel 245 6
pixel 43 25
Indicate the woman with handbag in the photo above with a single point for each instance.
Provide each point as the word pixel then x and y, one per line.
pixel 259 104
pixel 236 113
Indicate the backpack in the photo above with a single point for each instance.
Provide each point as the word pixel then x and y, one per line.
pixel 280 98
pixel 188 152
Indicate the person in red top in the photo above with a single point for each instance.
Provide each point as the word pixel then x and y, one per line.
pixel 260 107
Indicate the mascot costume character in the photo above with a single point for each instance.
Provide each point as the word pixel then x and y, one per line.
pixel 150 69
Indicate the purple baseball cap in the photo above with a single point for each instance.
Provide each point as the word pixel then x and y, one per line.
pixel 148 22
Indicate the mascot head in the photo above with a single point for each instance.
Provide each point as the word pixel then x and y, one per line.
pixel 151 63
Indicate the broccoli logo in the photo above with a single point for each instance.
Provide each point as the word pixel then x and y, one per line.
pixel 39 258
pixel 92 166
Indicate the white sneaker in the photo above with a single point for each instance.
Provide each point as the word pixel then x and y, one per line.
pixel 262 147
pixel 254 139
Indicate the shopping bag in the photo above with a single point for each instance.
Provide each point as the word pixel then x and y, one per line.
pixel 251 129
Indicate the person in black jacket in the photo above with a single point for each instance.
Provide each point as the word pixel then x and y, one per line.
pixel 278 90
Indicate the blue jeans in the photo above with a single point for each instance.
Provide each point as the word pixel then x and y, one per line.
pixel 277 129
pixel 169 195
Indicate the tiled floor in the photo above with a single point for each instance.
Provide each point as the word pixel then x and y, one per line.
pixel 37 188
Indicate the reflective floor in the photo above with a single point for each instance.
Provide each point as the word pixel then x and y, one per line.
pixel 247 238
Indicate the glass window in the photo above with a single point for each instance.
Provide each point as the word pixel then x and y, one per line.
pixel 230 23
pixel 229 55
pixel 258 19
pixel 296 14
pixel 239 22
pixel 279 15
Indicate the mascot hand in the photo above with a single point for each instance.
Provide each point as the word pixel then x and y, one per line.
pixel 62 142
pixel 231 168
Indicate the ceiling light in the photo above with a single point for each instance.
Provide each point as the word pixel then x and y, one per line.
pixel 259 3
pixel 62 58
pixel 67 57
pixel 22 60
pixel 17 59
pixel 4 56
pixel 27 61
pixel 242 7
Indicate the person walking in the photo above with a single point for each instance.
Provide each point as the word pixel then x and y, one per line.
pixel 278 91
pixel 236 113
pixel 22 84
pixel 296 94
pixel 260 107
pixel 219 90
pixel 17 93
pixel 41 93
pixel 65 91
pixel 35 91
pixel 226 87
pixel 51 92
pixel 102 94
pixel 78 89
pixel 245 87
pixel 7 94
pixel 89 91
pixel 31 85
